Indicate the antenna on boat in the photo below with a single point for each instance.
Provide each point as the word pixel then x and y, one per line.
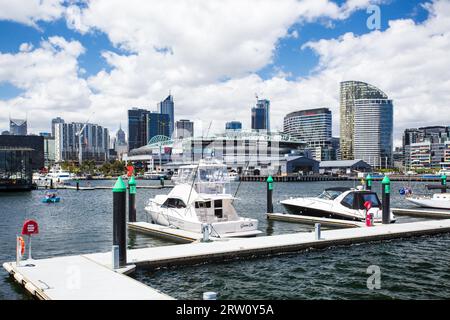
pixel 240 181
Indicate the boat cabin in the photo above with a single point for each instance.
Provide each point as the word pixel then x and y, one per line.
pixel 215 210
pixel 352 199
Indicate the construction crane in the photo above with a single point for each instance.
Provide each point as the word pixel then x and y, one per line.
pixel 79 134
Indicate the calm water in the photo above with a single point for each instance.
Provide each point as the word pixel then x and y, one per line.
pixel 416 268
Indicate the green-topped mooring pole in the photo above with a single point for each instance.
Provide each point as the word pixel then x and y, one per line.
pixel 444 183
pixel 386 199
pixel 119 219
pixel 269 194
pixel 369 180
pixel 132 200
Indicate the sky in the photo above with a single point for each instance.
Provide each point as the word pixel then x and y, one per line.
pixel 81 59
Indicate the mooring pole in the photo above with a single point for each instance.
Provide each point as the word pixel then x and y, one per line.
pixel 51 183
pixel 269 194
pixel 132 200
pixel 119 219
pixel 386 199
pixel 161 180
pixel 369 180
pixel 444 183
pixel 78 184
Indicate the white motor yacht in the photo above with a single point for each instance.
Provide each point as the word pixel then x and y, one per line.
pixel 200 197
pixel 338 203
pixel 436 201
pixel 59 175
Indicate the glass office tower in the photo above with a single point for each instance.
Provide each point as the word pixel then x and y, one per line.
pixel 167 107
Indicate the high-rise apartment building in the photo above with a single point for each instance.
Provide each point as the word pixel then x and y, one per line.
pixel 366 124
pixel 314 127
pixel 95 142
pixel 55 121
pixel 426 147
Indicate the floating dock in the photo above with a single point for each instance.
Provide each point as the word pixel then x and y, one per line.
pixel 90 276
pixel 326 222
pixel 201 252
pixel 423 213
pixel 177 235
pixel 168 233
pixel 78 278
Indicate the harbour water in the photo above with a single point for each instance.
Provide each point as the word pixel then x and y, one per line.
pixel 416 268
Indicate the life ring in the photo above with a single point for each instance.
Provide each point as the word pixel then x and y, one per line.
pixel 22 246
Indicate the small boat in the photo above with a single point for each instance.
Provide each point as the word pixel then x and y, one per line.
pixel 200 197
pixel 154 175
pixel 338 203
pixel 51 197
pixel 437 201
pixel 51 200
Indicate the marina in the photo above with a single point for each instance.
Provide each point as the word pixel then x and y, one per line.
pixel 290 239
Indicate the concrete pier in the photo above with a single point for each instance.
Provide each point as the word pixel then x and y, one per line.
pixel 78 278
pixel 200 252
pixel 91 277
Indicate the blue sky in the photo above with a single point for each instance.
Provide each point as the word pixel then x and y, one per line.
pixel 288 57
pixel 202 73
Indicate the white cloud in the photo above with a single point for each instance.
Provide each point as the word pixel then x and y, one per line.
pixel 31 11
pixel 49 77
pixel 207 54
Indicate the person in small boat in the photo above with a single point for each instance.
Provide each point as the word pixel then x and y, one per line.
pixel 50 195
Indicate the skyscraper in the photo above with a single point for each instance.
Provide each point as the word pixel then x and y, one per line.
pixel 167 107
pixel 157 124
pixel 233 125
pixel 314 127
pixel 366 123
pixel 136 128
pixel 261 115
pixel 55 121
pixel 120 136
pixel 185 129
pixel 18 127
pixel 94 142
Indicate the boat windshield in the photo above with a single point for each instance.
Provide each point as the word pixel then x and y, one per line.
pixel 330 194
pixel 212 174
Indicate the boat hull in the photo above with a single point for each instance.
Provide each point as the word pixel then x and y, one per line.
pixel 51 200
pixel 430 203
pixel 244 227
pixel 312 212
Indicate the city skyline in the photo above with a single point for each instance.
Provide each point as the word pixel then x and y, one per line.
pixel 66 59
